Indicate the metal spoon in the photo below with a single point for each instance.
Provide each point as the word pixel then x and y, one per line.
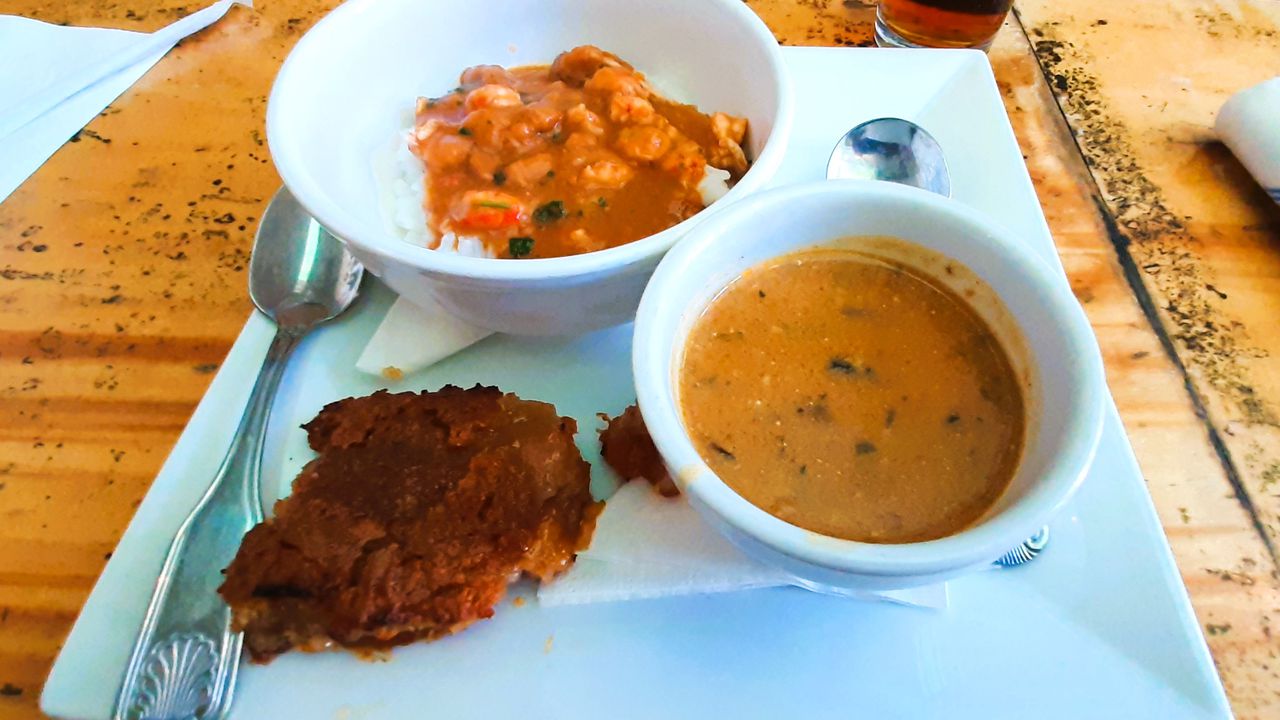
pixel 185 660
pixel 894 150
pixel 900 151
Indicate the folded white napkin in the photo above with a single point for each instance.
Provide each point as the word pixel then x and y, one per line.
pixel 55 79
pixel 648 546
pixel 1249 124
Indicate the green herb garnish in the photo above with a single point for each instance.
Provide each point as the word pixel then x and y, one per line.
pixel 493 204
pixel 464 131
pixel 520 246
pixel 602 202
pixel 549 212
pixel 499 177
pixel 841 365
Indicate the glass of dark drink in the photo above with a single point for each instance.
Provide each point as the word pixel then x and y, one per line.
pixel 939 23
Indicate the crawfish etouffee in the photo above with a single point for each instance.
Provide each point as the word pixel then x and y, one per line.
pixel 576 156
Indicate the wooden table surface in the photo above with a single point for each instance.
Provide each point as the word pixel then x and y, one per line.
pixel 123 285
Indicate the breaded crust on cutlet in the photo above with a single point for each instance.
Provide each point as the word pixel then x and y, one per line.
pixel 418 511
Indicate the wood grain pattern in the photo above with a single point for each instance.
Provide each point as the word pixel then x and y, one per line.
pixel 122 288
pixel 122 285
pixel 1197 240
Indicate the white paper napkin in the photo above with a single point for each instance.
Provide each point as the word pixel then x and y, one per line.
pixel 648 546
pixel 1249 124
pixel 55 79
pixel 412 337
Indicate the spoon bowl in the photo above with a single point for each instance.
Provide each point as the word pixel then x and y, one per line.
pixel 893 150
pixel 299 274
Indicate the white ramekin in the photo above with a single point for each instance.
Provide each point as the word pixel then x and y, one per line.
pixel 1059 355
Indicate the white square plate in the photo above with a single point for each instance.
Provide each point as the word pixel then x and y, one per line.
pixel 1098 626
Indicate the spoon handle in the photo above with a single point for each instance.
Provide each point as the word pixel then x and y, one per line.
pixel 1026 551
pixel 185 660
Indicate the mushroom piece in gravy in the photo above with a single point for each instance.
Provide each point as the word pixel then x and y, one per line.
pixel 853 396
pixel 567 158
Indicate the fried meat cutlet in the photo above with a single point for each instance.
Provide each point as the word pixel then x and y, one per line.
pixel 417 513
pixel 627 448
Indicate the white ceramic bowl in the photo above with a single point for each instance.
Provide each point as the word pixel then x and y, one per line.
pixel 351 82
pixel 1059 358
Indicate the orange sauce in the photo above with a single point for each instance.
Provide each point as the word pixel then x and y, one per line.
pixel 567 158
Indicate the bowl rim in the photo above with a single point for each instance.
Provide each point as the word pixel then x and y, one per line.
pixel 653 359
pixel 309 193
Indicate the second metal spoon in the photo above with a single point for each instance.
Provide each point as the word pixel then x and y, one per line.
pixel 185 661
pixel 900 151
